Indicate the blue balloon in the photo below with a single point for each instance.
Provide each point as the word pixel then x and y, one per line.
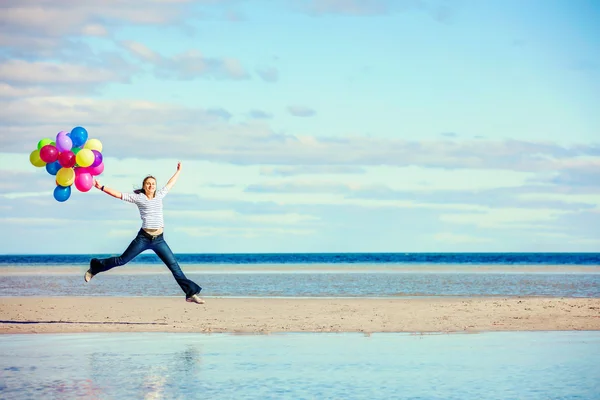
pixel 53 167
pixel 62 193
pixel 78 136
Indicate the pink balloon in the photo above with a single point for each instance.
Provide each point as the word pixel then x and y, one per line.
pixel 97 170
pixel 48 153
pixel 84 181
pixel 81 170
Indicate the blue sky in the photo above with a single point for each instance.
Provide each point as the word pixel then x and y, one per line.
pixel 308 126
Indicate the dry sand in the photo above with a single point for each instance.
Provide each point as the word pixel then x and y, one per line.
pixel 261 315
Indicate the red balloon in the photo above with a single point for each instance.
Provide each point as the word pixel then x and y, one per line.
pixel 48 153
pixel 66 159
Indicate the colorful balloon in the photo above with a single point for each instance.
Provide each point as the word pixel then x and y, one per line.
pixel 65 176
pixel 93 144
pixel 43 142
pixel 35 160
pixel 97 170
pixel 79 136
pixel 97 158
pixel 62 193
pixel 53 167
pixel 67 159
pixel 63 142
pixel 84 181
pixel 85 158
pixel 48 153
pixel 72 159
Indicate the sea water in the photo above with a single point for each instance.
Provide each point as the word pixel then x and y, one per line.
pixel 299 283
pixel 313 275
pixel 493 365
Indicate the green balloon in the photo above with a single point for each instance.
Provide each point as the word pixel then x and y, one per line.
pixel 76 150
pixel 44 142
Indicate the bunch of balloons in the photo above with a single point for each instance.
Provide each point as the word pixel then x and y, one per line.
pixel 72 158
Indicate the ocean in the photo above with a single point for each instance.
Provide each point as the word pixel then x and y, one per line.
pixel 324 258
pixel 313 275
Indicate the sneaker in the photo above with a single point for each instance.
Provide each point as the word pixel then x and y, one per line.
pixel 195 299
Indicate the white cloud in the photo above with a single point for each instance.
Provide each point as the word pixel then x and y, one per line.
pixel 301 111
pixel 153 131
pixel 41 222
pixel 245 232
pixel 234 216
pixel 141 51
pixel 448 237
pixel 349 7
pixel 440 10
pixel 41 72
pixel 9 91
pixel 562 197
pixel 268 74
pixel 311 170
pixel 94 30
pixel 44 27
pixel 508 218
pixel 187 65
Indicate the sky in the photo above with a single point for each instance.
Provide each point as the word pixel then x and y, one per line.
pixel 308 125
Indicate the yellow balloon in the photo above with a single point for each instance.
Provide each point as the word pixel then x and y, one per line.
pixel 85 158
pixel 35 160
pixel 65 176
pixel 93 144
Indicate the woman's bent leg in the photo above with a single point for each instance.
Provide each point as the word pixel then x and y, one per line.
pixel 163 251
pixel 136 246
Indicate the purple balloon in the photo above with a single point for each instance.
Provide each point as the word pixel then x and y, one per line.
pixel 97 158
pixel 63 142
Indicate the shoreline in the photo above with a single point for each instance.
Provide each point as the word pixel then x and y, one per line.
pixel 277 315
pixel 151 269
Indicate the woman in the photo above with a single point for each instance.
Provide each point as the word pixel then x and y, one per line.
pixel 150 236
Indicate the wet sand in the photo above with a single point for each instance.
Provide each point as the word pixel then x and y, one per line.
pixel 270 315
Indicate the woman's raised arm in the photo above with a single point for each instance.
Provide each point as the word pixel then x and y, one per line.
pixel 114 193
pixel 174 177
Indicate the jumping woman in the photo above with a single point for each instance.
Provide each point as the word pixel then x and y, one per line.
pixel 150 236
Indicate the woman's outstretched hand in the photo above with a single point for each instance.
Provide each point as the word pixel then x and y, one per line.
pixel 97 184
pixel 173 179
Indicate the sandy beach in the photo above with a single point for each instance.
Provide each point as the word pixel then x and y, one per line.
pixel 270 315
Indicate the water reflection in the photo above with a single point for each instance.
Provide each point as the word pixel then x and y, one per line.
pixel 152 369
pixel 525 365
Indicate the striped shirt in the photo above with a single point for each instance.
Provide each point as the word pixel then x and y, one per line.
pixel 151 210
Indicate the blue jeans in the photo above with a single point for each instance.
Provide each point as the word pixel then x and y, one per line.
pixel 144 241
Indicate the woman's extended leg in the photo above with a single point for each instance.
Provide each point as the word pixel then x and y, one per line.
pixel 163 251
pixel 137 245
